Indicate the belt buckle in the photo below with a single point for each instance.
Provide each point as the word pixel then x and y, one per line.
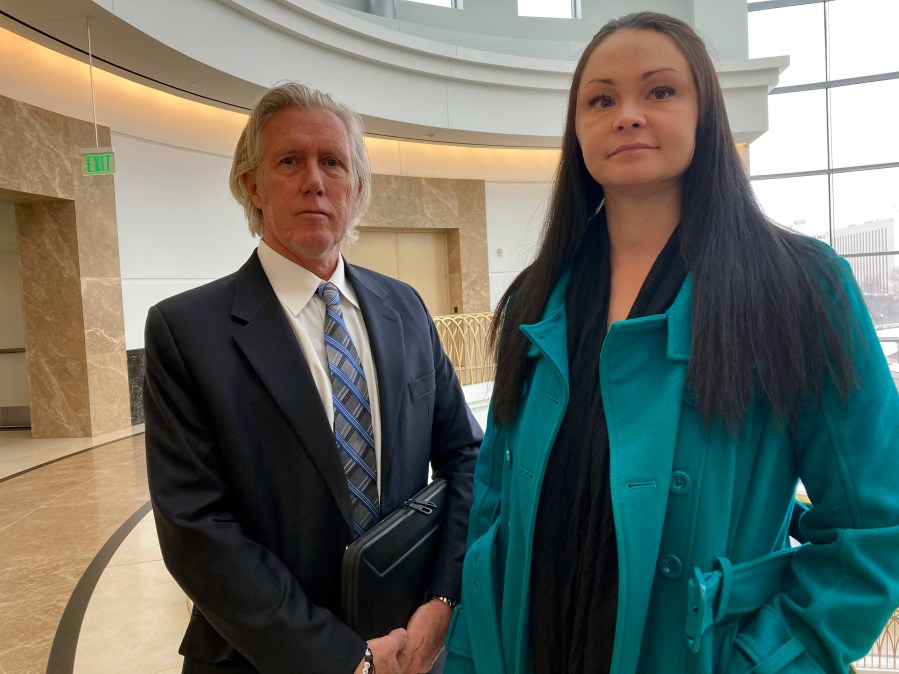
pixel 697 622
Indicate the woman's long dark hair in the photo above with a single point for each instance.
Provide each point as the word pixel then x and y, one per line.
pixel 758 314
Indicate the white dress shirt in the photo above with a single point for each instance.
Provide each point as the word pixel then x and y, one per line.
pixel 295 287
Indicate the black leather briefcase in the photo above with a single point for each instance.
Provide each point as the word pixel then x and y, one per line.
pixel 386 571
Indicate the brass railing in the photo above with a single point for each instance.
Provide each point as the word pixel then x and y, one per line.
pixel 465 340
pixel 884 655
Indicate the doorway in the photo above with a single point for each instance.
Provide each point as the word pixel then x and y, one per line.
pixel 416 257
pixel 15 409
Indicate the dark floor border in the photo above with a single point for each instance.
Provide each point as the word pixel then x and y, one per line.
pixel 68 456
pixel 65 642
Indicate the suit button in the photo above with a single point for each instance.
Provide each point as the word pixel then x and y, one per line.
pixel 671 567
pixel 508 457
pixel 680 482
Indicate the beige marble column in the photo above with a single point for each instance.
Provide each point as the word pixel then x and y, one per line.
pixel 472 201
pixel 101 290
pixel 54 325
pixel 71 284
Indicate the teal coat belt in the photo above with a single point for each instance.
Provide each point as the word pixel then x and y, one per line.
pixel 708 580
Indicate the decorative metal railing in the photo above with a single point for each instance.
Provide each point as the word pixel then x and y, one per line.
pixel 465 340
pixel 884 656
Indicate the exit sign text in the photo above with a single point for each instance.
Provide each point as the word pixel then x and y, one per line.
pixel 98 161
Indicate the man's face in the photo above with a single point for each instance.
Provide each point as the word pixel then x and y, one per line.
pixel 304 187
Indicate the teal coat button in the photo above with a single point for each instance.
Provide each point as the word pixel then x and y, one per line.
pixel 671 567
pixel 680 482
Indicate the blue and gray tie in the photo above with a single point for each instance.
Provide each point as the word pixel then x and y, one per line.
pixel 352 414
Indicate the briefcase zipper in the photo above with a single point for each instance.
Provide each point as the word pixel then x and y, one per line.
pixel 424 507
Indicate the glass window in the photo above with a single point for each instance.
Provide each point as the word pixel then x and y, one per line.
pixel 863 37
pixel 884 305
pixel 794 31
pixel 559 9
pixel 800 204
pixel 796 139
pixel 861 197
pixel 878 279
pixel 860 131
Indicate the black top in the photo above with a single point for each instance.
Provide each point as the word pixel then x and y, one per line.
pixel 574 572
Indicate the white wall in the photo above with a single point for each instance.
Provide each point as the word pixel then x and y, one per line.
pixel 515 212
pixel 178 225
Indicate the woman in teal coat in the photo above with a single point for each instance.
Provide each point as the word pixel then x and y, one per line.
pixel 668 368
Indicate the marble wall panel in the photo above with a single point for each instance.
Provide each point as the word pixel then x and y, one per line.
pixel 440 202
pixel 51 280
pixel 60 400
pixel 98 237
pixel 34 161
pixel 104 321
pixel 457 207
pixel 110 407
pixel 397 202
pixel 473 245
pixel 8 144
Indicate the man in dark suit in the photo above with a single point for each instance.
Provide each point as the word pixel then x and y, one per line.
pixel 265 458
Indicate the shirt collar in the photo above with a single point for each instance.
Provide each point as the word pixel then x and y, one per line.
pixel 295 285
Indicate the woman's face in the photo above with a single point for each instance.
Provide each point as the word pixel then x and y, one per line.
pixel 637 112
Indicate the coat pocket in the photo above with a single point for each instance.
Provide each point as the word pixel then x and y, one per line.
pixel 422 385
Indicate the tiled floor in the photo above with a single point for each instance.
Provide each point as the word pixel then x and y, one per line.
pixel 82 583
pixel 83 587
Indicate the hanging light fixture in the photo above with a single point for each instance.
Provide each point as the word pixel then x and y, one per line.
pixel 95 161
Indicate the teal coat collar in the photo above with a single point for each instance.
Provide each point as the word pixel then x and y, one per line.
pixel 549 335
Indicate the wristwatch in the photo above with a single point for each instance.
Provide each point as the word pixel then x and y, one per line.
pixel 452 603
pixel 368 665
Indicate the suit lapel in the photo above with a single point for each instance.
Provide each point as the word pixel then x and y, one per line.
pixel 385 335
pixel 271 348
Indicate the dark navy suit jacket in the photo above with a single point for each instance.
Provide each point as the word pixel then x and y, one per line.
pixel 250 500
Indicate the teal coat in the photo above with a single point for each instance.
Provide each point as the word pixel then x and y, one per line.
pixel 708 582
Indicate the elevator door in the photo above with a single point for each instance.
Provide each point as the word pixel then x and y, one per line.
pixel 14 390
pixel 417 257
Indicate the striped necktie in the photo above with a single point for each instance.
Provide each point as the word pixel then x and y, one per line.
pixel 352 414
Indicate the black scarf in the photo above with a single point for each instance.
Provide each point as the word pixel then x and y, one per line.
pixel 574 571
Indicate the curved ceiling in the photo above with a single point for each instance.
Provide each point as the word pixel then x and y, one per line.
pixel 226 52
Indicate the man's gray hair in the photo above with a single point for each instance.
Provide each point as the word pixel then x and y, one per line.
pixel 248 153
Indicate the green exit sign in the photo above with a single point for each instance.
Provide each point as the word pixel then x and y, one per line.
pixel 97 161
